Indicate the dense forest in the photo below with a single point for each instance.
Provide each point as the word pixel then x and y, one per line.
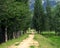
pixel 46 19
pixel 16 18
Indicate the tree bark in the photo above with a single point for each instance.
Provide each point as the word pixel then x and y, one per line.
pixel 18 34
pixel 6 38
pixel 21 32
pixel 13 35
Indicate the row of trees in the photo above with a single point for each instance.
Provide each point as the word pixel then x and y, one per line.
pixel 14 18
pixel 46 19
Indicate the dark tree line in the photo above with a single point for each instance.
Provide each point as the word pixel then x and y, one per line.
pixel 14 19
pixel 38 21
pixel 46 19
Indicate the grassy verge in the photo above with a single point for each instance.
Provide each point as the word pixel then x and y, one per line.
pixel 44 42
pixel 10 42
pixel 32 46
pixel 55 39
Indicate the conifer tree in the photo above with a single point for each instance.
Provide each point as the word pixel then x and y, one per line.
pixel 38 18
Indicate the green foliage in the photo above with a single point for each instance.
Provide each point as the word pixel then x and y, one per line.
pixel 25 1
pixel 48 20
pixel 48 24
pixel 38 17
pixel 17 12
pixel 15 15
pixel 57 18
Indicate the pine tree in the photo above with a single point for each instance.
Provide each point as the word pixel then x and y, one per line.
pixel 38 20
pixel 48 16
pixel 57 19
pixel 14 18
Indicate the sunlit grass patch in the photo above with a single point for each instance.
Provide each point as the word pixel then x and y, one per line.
pixel 17 43
pixel 55 40
pixel 32 46
pixel 44 42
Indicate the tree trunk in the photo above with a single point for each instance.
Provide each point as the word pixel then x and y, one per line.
pixel 39 32
pixel 21 32
pixel 18 34
pixel 13 35
pixel 6 38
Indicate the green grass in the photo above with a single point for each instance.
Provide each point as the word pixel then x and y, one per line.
pixel 11 42
pixel 32 46
pixel 44 42
pixel 48 32
pixel 55 39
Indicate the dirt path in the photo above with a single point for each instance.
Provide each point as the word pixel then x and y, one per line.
pixel 27 43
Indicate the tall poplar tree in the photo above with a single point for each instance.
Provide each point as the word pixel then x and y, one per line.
pixel 57 19
pixel 38 20
pixel 48 16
